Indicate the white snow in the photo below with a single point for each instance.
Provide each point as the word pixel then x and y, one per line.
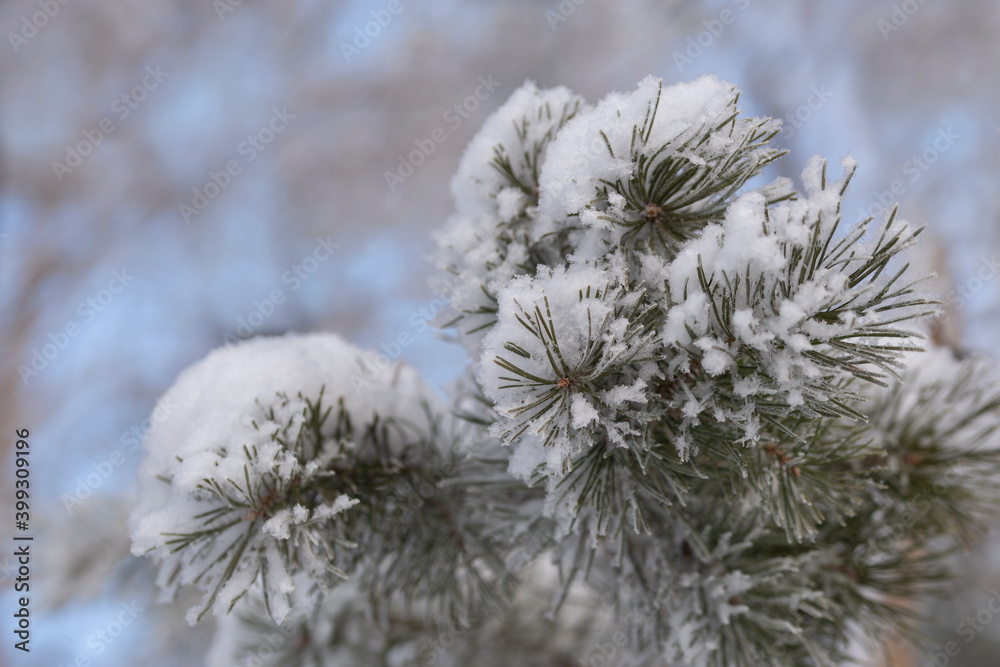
pixel 222 413
pixel 765 248
pixel 561 332
pixel 487 240
pixel 535 112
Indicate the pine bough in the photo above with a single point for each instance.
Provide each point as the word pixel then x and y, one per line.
pixel 692 426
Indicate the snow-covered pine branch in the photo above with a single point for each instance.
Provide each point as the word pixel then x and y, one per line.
pixel 277 472
pixel 693 354
pixel 735 308
pixel 704 404
pixel 492 235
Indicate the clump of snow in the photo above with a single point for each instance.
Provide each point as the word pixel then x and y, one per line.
pixel 626 291
pixel 608 166
pixel 567 360
pixel 236 448
pixel 756 287
pixel 597 146
pixel 639 200
pixel 491 236
pixel 528 119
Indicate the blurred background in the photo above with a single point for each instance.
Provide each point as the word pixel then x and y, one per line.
pixel 176 174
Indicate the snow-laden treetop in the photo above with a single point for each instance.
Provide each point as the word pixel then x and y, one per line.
pixel 692 394
pixel 617 274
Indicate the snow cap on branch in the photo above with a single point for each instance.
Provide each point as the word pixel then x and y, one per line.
pixel 771 298
pixel 233 489
pixel 568 361
pixel 508 150
pixel 653 166
pixel 491 236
